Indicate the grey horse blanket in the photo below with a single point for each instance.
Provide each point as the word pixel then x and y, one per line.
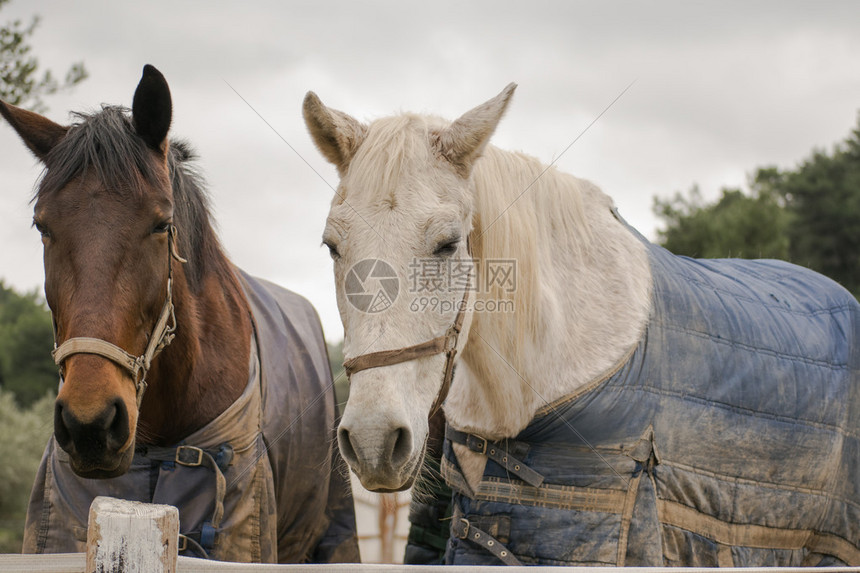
pixel 263 482
pixel 730 437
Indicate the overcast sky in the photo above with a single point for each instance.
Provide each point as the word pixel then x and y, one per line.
pixel 720 89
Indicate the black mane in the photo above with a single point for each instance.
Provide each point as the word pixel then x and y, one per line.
pixel 191 215
pixel 106 143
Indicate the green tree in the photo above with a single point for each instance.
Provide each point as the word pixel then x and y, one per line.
pixel 809 215
pixel 823 195
pixel 26 338
pixel 23 434
pixel 737 225
pixel 20 82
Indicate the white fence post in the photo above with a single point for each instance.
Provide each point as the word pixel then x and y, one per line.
pixel 130 536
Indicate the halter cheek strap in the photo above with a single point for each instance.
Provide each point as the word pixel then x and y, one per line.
pixel 137 366
pixel 446 343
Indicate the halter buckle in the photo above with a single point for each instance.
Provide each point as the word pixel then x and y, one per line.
pixel 451 339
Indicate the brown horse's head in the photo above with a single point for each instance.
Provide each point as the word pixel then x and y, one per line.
pixel 104 208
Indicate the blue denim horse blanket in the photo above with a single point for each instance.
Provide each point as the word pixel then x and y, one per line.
pixel 730 437
pixel 267 464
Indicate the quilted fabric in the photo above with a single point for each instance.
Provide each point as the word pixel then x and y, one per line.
pixel 730 437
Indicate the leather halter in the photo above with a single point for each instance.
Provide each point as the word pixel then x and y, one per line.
pixel 446 343
pixel 137 366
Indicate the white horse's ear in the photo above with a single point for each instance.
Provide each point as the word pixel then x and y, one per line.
pixel 336 134
pixel 462 142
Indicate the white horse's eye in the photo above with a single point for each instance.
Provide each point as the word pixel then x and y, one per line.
pixel 447 248
pixel 332 250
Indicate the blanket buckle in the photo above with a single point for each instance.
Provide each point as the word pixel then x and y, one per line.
pixel 477 444
pixel 182 458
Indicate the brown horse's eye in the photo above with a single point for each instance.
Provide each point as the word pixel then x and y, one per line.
pixel 43 230
pixel 162 228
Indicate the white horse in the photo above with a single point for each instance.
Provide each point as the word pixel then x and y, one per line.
pixel 575 308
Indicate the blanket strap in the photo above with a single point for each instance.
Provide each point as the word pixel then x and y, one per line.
pixel 215 460
pixel 627 517
pixel 750 535
pixel 463 529
pixel 498 452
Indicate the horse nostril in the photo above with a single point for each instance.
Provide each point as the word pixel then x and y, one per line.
pixel 106 420
pixel 117 424
pixel 344 442
pixel 107 432
pixel 61 431
pixel 401 449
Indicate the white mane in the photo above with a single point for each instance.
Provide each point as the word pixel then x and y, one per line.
pixel 574 262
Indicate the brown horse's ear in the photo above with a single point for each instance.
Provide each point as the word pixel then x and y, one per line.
pixel 336 134
pixel 152 109
pixel 38 132
pixel 462 142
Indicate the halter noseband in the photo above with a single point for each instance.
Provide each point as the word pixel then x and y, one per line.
pixel 446 343
pixel 137 366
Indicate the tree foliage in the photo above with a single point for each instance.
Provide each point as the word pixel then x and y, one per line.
pixel 809 215
pixel 737 225
pixel 20 81
pixel 823 195
pixel 23 434
pixel 26 338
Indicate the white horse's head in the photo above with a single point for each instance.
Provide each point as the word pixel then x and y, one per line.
pixel 398 232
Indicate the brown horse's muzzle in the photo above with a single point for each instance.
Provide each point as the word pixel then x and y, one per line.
pixel 93 422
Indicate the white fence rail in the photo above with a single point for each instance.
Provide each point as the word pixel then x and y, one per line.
pixel 126 537
pixel 76 563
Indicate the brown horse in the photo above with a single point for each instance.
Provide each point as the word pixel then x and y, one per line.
pixel 154 348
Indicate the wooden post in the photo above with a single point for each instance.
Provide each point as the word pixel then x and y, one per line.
pixel 130 536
